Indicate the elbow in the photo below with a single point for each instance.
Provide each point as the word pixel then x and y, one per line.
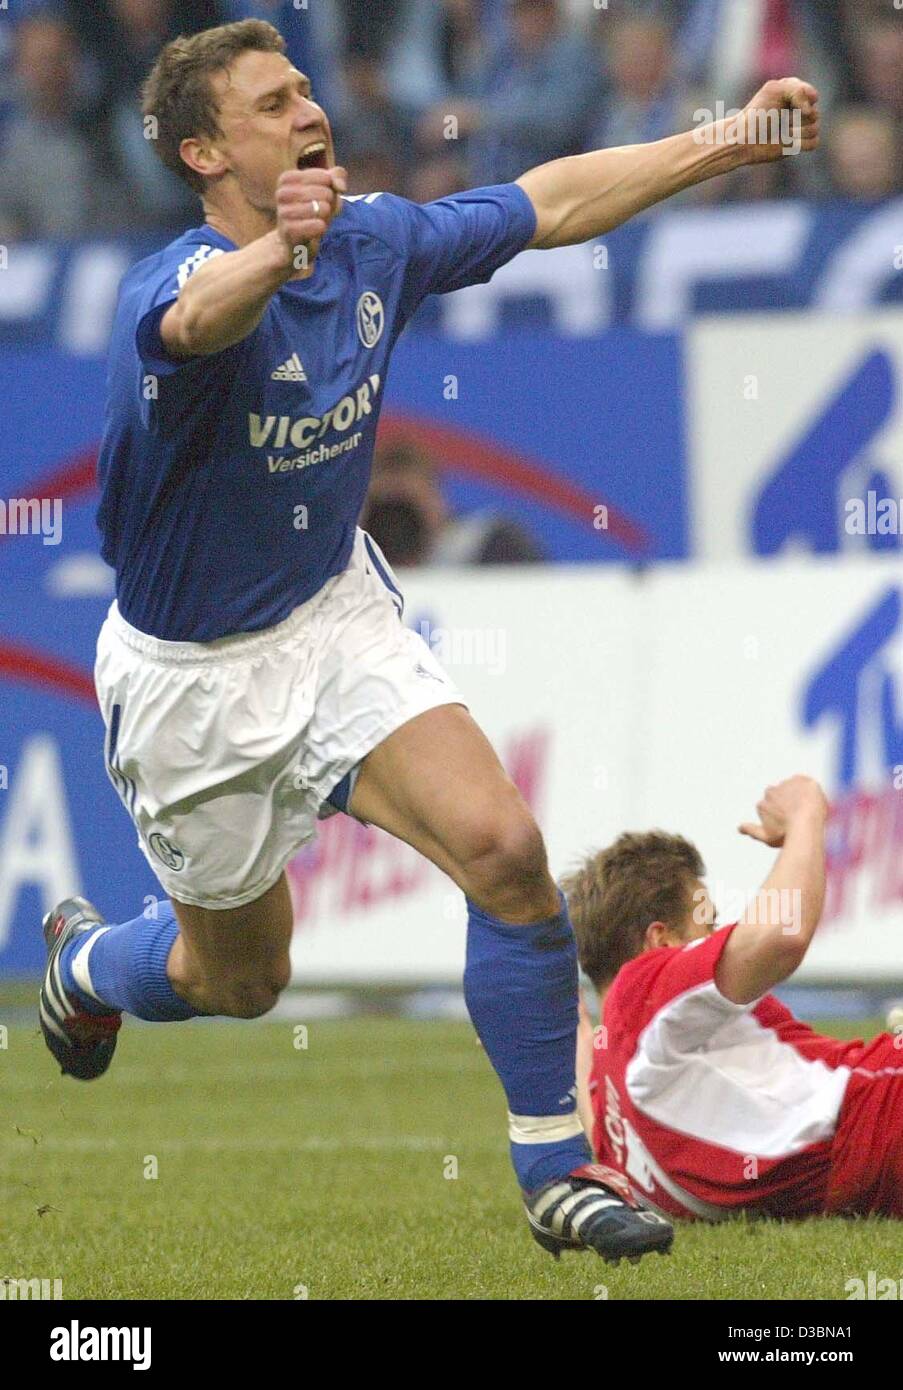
pixel 794 942
pixel 553 229
pixel 188 331
pixel 200 330
pixel 179 329
pixel 791 955
pixel 192 329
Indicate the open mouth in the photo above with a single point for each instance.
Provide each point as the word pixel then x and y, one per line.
pixel 313 156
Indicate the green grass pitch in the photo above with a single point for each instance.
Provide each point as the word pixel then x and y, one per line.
pixel 371 1164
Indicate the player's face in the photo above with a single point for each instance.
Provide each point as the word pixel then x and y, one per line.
pixel 269 123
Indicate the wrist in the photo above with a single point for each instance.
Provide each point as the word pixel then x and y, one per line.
pixel 809 819
pixel 730 137
pixel 279 255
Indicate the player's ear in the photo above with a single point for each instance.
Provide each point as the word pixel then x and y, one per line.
pixel 204 159
pixel 655 935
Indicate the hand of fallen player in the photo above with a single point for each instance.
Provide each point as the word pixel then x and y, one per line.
pixel 780 805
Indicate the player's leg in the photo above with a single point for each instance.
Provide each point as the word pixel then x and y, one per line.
pixel 391 741
pixel 866 1175
pixel 201 747
pixel 437 784
pixel 234 962
pixel 177 963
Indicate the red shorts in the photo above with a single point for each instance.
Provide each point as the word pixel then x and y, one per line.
pixel 867 1153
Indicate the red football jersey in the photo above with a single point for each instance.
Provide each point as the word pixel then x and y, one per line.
pixel 709 1106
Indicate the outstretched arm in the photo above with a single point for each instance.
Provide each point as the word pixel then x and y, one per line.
pixel 774 933
pixel 588 195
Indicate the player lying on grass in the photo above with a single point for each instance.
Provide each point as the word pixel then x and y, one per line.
pixel 699 1085
pixel 254 673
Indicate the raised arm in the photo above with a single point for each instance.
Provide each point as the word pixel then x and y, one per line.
pixel 588 195
pixel 772 937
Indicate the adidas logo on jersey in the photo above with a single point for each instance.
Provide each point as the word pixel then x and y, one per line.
pixel 292 370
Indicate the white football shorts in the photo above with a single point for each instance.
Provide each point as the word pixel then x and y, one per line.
pixel 224 753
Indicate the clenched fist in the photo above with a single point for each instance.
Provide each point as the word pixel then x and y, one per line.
pixel 307 201
pixel 781 119
pixel 781 805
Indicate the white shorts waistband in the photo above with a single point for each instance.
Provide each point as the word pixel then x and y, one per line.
pixel 223 649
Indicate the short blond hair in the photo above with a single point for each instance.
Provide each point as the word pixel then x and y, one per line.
pixel 178 93
pixel 615 894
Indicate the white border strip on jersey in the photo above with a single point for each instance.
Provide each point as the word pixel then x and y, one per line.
pixel 707 1211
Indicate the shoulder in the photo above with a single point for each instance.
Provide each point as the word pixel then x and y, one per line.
pixel 637 977
pixel 382 217
pixel 663 974
pixel 174 264
pixel 397 220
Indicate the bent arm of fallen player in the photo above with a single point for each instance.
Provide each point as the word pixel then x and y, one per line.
pixel 772 937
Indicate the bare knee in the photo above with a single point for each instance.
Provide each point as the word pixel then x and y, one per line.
pixel 250 994
pixel 508 866
pixel 234 963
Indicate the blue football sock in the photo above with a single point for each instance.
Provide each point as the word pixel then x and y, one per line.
pixel 124 967
pixel 520 986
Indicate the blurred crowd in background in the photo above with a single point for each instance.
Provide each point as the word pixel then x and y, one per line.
pixel 430 96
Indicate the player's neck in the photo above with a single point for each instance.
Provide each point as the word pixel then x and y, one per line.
pixel 241 225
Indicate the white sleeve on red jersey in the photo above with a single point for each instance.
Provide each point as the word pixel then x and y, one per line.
pixel 647 985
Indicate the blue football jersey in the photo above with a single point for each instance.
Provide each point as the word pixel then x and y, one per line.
pixel 231 484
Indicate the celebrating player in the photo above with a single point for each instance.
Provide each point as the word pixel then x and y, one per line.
pixel 254 673
pixel 699 1085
